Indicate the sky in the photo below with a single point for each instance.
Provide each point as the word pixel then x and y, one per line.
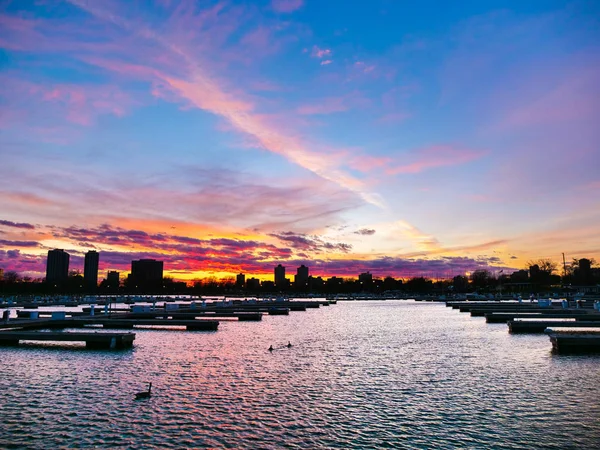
pixel 426 138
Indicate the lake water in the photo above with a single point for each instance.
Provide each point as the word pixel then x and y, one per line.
pixel 393 374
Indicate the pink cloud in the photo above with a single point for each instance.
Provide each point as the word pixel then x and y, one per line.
pixel 364 67
pixel 326 106
pixel 12 26
pixel 78 104
pixel 83 104
pixel 573 99
pixel 436 156
pixel 169 60
pixel 334 104
pixel 286 6
pixel 205 91
pixel 320 52
pixel 367 163
pixel 25 197
pixel 258 38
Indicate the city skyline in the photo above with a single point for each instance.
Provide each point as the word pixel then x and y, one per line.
pixel 350 137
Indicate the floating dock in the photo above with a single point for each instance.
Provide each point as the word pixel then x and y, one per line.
pixel 190 325
pixel 106 341
pixel 175 314
pixel 505 317
pixel 477 312
pixel 574 341
pixel 539 326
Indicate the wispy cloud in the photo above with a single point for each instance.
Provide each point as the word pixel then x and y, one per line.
pixel 206 92
pixel 7 243
pixel 364 67
pixel 286 6
pixel 330 105
pixel 421 240
pixel 311 243
pixel 77 104
pixel 8 223
pixel 436 156
pixel 567 102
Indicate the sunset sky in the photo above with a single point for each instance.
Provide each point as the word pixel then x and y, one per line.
pixel 404 138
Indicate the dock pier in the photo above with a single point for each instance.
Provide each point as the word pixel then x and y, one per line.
pixel 574 341
pixel 571 330
pixel 33 324
pixel 104 341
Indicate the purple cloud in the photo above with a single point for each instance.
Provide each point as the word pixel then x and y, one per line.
pixel 8 223
pixel 365 232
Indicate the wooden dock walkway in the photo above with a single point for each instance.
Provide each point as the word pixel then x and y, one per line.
pixel 92 340
pixel 539 326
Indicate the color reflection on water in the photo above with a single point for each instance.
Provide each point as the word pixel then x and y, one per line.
pixel 392 374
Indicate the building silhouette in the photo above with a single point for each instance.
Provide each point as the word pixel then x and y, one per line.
pixel 365 280
pixel 112 279
pixel 1 274
pixel 90 269
pixel 146 274
pixel 366 277
pixel 301 277
pixel 57 266
pixel 334 283
pixel 583 273
pixel 315 283
pixel 280 280
pixel 253 283
pixel 240 281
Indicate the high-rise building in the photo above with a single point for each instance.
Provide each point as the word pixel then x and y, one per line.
pixel 301 277
pixel 147 274
pixel 90 269
pixel 112 279
pixel 240 280
pixel 57 266
pixel 279 275
pixel 1 274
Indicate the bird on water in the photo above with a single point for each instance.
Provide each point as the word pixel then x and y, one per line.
pixel 144 394
pixel 271 348
pixel 289 344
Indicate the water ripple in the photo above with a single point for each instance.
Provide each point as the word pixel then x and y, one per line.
pixel 360 375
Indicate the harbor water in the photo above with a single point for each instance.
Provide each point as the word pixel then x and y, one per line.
pixel 369 374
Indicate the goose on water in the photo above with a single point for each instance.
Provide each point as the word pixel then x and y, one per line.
pixel 144 394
